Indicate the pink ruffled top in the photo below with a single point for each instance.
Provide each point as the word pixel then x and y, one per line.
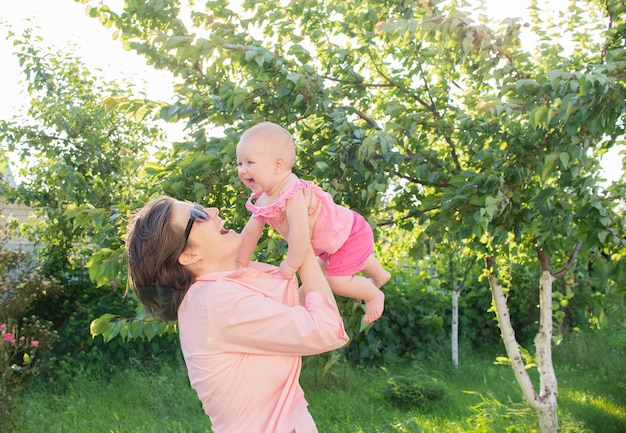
pixel 333 225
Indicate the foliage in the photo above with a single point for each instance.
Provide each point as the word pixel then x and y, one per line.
pixel 82 352
pixel 398 67
pixel 22 283
pixel 19 358
pixel 25 340
pixel 420 111
pixel 79 165
pixel 82 171
pixel 411 327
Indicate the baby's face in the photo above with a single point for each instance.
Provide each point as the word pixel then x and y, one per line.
pixel 256 166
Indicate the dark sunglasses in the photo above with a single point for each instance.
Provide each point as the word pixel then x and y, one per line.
pixel 197 212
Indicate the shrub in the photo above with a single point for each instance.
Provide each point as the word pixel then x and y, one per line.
pixel 410 327
pixel 24 339
pixel 19 357
pixel 78 352
pixel 414 392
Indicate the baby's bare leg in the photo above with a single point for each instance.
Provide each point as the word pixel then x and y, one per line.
pixel 361 288
pixel 376 272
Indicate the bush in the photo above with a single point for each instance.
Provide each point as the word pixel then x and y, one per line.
pixel 412 326
pixel 69 312
pixel 414 392
pixel 19 358
pixel 24 339
pixel 78 352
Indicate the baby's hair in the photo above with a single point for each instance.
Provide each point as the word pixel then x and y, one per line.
pixel 275 137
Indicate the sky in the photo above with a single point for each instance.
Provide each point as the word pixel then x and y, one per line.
pixel 64 23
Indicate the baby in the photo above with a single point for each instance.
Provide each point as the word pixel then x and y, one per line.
pixel 342 238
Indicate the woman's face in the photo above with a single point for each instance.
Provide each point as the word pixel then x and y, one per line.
pixel 207 237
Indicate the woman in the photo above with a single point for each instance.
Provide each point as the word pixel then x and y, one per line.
pixel 243 331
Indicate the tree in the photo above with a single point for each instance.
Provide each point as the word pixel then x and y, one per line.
pixel 79 164
pixel 414 107
pixel 81 173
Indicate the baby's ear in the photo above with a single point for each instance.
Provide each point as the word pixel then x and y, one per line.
pixel 279 164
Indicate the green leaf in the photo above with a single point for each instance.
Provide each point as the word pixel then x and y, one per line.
pixel 136 328
pixel 111 330
pixel 150 330
pixel 538 117
pixel 548 164
pixel 283 91
pixel 564 157
pixel 97 325
pixel 176 41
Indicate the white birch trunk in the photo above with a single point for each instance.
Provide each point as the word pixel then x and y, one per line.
pixel 543 344
pixel 455 328
pixel 457 289
pixel 545 403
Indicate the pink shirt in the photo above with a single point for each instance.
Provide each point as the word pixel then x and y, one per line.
pixel 242 335
pixel 332 227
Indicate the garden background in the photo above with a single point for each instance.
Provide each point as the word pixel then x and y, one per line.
pixel 477 159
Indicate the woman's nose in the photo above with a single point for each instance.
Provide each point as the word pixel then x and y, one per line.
pixel 212 212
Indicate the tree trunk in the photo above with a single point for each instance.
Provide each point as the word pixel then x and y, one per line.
pixel 545 402
pixel 457 289
pixel 543 344
pixel 455 328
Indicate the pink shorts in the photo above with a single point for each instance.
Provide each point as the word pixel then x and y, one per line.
pixel 351 257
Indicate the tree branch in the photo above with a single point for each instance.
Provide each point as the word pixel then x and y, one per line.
pixel 570 262
pixel 368 120
pixel 467 271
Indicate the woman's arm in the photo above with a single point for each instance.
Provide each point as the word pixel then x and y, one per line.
pixel 250 234
pixel 248 321
pixel 313 278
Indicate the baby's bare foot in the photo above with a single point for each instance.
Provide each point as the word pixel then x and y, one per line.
pixel 374 308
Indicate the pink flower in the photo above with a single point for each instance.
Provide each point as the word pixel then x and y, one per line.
pixel 34 343
pixel 9 337
pixel 3 327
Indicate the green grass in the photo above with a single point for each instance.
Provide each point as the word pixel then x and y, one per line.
pixel 480 398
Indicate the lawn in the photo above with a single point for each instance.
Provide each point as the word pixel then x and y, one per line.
pixel 479 398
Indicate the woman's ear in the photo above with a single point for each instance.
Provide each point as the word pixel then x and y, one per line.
pixel 187 258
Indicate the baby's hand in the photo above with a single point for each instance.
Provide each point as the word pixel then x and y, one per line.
pixel 286 270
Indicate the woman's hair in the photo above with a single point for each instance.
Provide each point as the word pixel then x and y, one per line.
pixel 153 245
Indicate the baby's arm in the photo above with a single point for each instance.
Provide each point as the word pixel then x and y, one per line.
pixel 250 235
pixel 298 238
